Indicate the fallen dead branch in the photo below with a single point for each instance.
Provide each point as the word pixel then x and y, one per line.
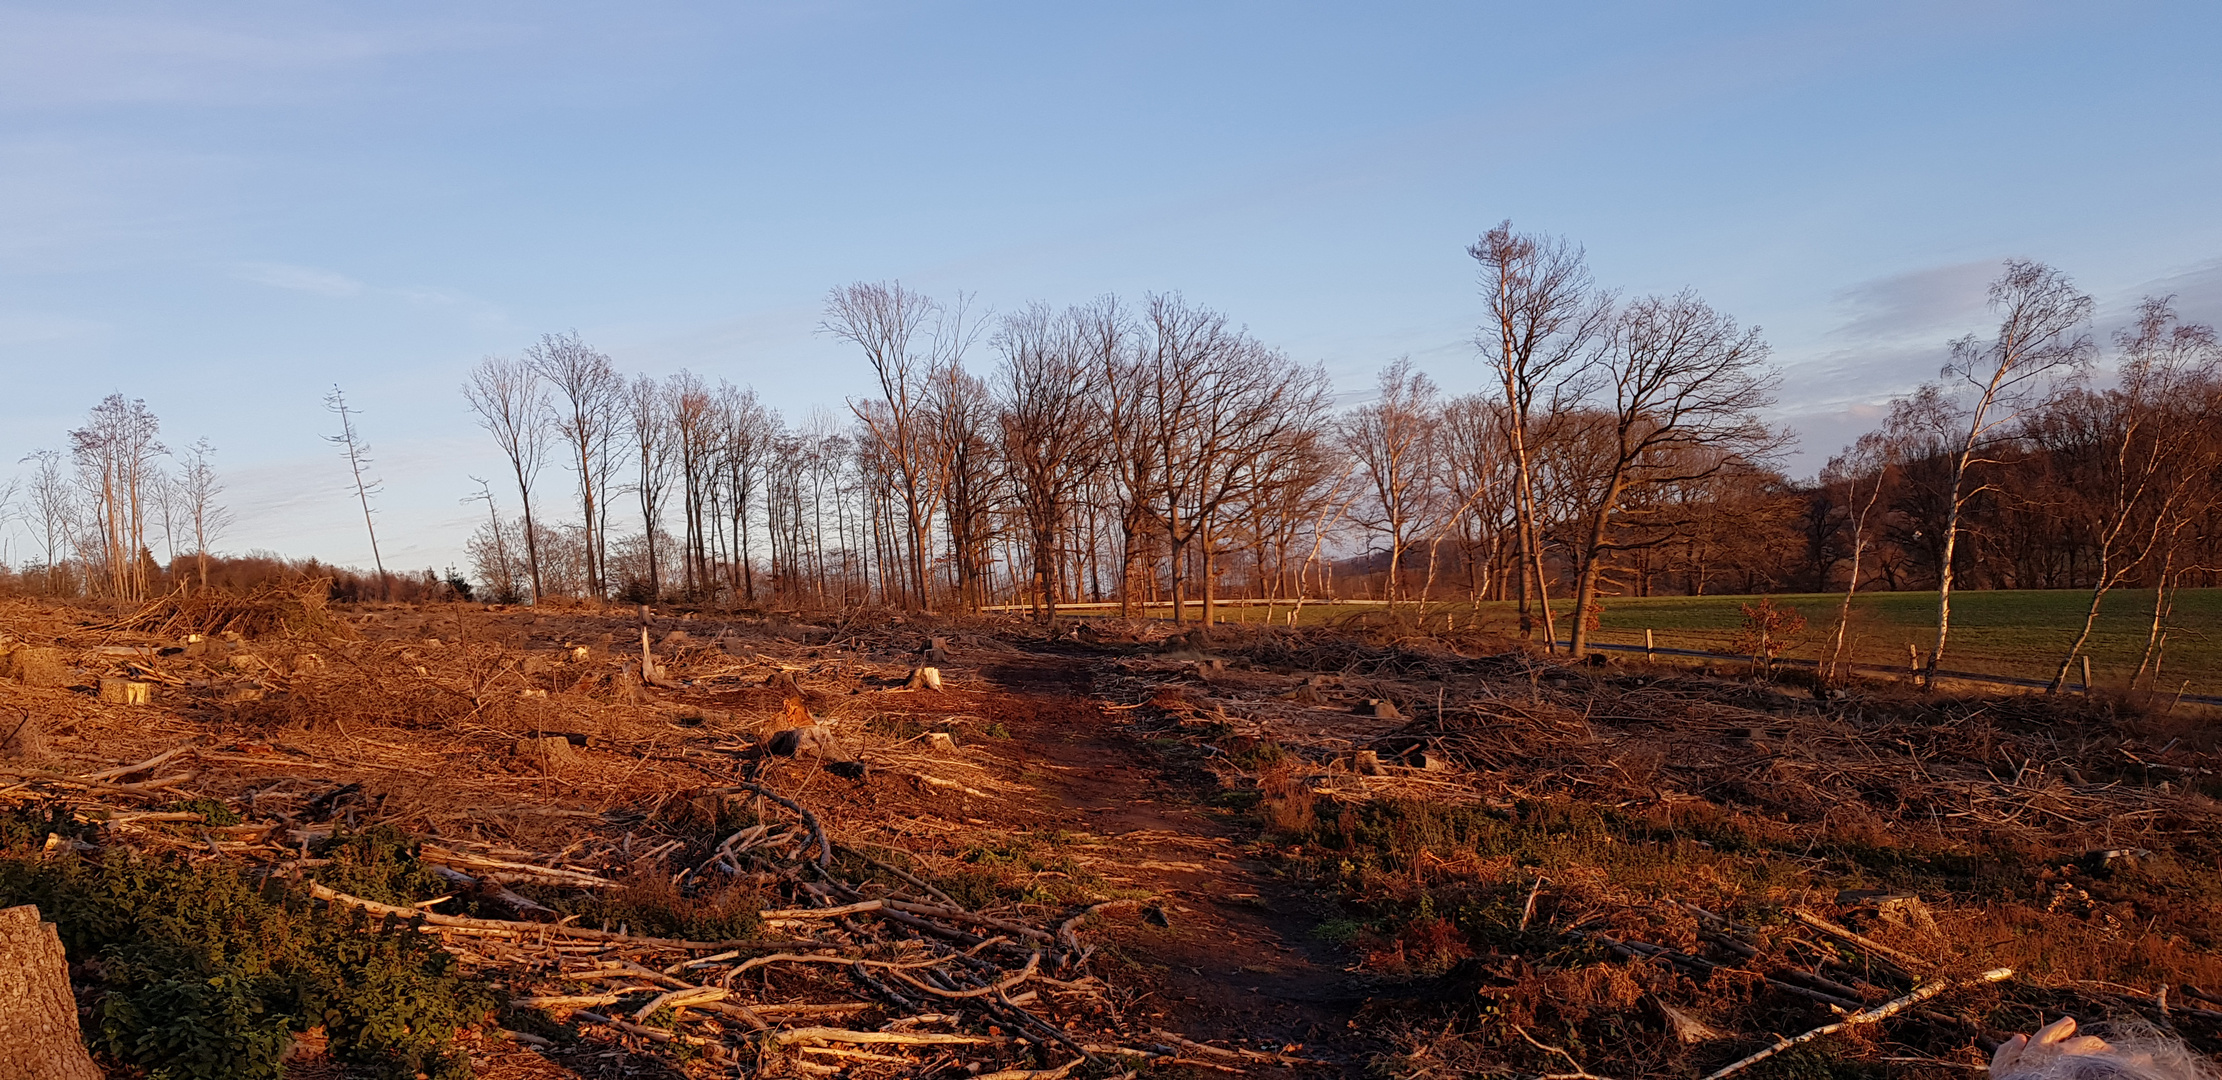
pixel 1911 964
pixel 792 1036
pixel 1869 1016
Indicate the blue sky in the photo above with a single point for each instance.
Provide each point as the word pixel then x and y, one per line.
pixel 226 208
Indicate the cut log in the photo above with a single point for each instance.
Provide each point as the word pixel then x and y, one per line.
pixel 525 908
pixel 38 1014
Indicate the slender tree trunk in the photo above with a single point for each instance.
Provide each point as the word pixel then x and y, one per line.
pixel 1944 569
pixel 1593 560
pixel 1172 526
pixel 2153 633
pixel 1396 561
pixel 1210 561
pixel 2090 618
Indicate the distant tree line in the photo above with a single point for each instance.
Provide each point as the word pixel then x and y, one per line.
pixel 1156 451
pixel 98 511
pixel 121 516
pixel 1153 451
pixel 1137 453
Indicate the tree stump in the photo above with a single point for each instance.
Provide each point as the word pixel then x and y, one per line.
pixel 547 751
pixel 924 678
pixel 792 742
pixel 38 667
pixel 24 740
pixel 38 1014
pixel 126 692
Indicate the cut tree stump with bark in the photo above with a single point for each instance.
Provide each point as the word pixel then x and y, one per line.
pixel 547 751
pixel 126 692
pixel 38 1014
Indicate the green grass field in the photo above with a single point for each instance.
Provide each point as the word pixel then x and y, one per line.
pixel 2020 633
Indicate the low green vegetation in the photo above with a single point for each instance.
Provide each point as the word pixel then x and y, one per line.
pixel 201 970
pixel 1039 867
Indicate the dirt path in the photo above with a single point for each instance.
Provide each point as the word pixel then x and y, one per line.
pixel 1227 952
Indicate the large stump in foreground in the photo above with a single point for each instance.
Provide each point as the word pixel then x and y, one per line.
pixel 38 1015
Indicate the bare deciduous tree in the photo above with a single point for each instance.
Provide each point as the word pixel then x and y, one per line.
pixel 1477 477
pixel 964 415
pixel 115 453
pixel 2152 428
pixel 2041 336
pixel 1684 384
pixel 747 431
pixel 1860 474
pixel 1546 318
pixel 496 566
pixel 883 318
pixel 1047 390
pixel 1114 346
pixel 589 422
pixel 1392 440
pixel 647 411
pixel 513 407
pixel 198 485
pixel 694 428
pixel 1215 402
pixel 52 503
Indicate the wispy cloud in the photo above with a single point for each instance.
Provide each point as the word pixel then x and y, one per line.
pixel 1929 302
pixel 306 279
pixel 2198 291
pixel 24 327
pixel 71 56
pixel 335 285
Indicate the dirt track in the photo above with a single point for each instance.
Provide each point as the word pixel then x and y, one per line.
pixel 1235 957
